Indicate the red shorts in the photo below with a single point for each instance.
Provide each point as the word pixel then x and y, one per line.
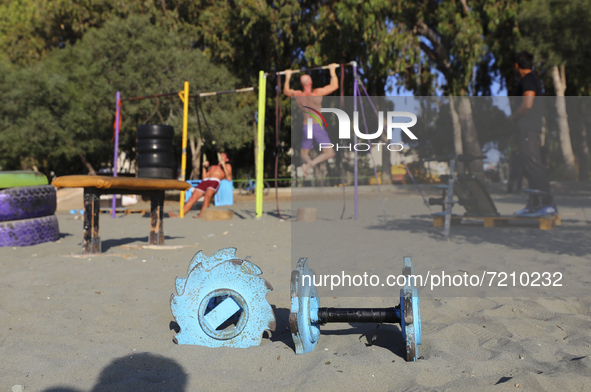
pixel 207 184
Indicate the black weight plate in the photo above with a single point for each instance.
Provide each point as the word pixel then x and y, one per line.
pixel 154 145
pixel 161 159
pixel 156 172
pixel 155 131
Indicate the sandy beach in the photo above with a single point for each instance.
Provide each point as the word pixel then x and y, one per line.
pixel 102 323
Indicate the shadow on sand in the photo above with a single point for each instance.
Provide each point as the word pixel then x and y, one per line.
pixel 143 372
pixel 559 240
pixel 114 243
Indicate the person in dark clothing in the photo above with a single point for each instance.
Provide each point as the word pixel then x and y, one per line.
pixel 515 171
pixel 528 119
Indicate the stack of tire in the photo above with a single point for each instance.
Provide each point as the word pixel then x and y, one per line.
pixel 155 152
pixel 27 209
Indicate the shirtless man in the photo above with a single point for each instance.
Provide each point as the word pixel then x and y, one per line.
pixel 312 98
pixel 212 175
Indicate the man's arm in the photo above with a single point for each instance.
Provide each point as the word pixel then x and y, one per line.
pixel 334 83
pixel 526 104
pixel 228 171
pixel 227 168
pixel 286 89
pixel 203 170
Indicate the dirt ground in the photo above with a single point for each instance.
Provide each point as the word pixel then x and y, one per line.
pixel 103 323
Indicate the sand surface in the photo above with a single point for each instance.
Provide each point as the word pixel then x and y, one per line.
pixel 103 323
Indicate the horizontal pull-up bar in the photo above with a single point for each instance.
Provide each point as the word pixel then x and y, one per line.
pixel 239 90
pixel 148 97
pixel 353 63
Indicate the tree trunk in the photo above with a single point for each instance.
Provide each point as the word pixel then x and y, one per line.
pixel 195 157
pixel 559 80
pixel 544 132
pixel 470 136
pixel 583 145
pixel 584 154
pixel 91 171
pixel 463 122
pixel 459 149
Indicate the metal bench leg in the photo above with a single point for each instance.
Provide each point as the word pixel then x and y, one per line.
pixel 91 242
pixel 157 218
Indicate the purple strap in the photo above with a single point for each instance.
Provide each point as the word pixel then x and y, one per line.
pixel 116 155
pixel 375 170
pixel 355 91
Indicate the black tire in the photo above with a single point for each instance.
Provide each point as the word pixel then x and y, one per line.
pixel 26 232
pixel 27 202
pixel 162 159
pixel 154 146
pixel 156 172
pixel 155 131
pixel 242 188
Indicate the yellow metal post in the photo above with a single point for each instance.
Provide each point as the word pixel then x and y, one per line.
pixel 260 144
pixel 185 98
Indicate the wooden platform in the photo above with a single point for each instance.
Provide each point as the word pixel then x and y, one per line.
pixel 545 222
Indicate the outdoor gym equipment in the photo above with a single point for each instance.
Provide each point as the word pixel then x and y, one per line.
pixel 278 144
pixel 27 207
pixel 185 97
pixel 473 196
pixel 155 151
pixel 12 179
pixel 221 302
pixel 307 316
pixel 25 202
pixel 95 186
pixel 470 191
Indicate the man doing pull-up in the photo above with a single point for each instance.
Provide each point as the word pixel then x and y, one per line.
pixel 313 99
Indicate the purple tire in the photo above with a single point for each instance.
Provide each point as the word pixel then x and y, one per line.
pixel 25 232
pixel 27 202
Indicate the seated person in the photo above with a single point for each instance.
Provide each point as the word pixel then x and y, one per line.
pixel 212 175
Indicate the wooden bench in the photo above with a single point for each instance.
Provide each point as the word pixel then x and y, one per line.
pixel 544 222
pixel 95 186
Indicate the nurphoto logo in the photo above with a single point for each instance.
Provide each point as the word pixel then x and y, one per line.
pixel 345 128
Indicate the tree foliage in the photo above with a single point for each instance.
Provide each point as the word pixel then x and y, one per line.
pixel 459 47
pixel 64 105
pixel 558 32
